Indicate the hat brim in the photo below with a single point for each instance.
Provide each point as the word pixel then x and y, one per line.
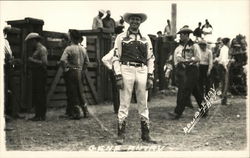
pixel 185 31
pixel 141 15
pixel 35 37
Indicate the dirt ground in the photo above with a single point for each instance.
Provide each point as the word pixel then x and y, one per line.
pixel 224 129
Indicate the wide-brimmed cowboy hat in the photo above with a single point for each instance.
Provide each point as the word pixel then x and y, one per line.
pixel 185 29
pixel 141 15
pixel 32 35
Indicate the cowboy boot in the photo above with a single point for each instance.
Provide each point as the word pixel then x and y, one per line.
pixel 121 132
pixel 85 111
pixel 145 133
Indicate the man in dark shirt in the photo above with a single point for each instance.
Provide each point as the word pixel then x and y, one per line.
pixel 133 64
pixel 38 63
pixel 109 22
pixel 198 32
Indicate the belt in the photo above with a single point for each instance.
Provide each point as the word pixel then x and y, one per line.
pixel 135 64
pixel 75 68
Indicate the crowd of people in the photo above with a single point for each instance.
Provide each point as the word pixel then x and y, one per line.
pixel 192 65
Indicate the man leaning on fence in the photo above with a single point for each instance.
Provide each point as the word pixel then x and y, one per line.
pixel 74 61
pixel 133 64
pixel 38 63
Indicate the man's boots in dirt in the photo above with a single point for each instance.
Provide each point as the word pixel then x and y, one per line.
pixel 121 132
pixel 85 110
pixel 145 133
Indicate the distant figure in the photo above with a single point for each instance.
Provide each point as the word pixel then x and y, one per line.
pixel 207 31
pixel 38 63
pixel 159 34
pixel 224 64
pixel 207 24
pixel 97 21
pixel 198 32
pixel 214 76
pixel 205 67
pixel 119 26
pixel 109 22
pixel 167 30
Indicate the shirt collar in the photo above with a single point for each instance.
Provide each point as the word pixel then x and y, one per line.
pixel 129 32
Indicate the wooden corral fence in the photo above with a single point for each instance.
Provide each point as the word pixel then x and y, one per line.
pixel 96 80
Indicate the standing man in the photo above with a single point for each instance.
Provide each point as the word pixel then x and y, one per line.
pixel 223 61
pixel 38 63
pixel 109 22
pixel 205 67
pixel 133 64
pixel 107 60
pixel 11 106
pixel 198 32
pixel 97 21
pixel 186 62
pixel 75 60
pixel 167 29
pixel 119 26
pixel 207 30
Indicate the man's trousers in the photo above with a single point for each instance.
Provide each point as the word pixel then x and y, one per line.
pixel 39 76
pixel 75 90
pixel 188 84
pixel 204 80
pixel 133 76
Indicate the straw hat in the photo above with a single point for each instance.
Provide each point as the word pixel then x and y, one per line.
pixel 32 35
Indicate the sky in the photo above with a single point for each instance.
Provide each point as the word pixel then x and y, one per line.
pixel 228 17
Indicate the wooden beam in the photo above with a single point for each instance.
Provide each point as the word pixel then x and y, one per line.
pixel 91 86
pixel 173 20
pixel 54 83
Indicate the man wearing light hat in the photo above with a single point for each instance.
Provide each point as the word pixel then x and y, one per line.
pixel 133 64
pixel 97 21
pixel 38 63
pixel 186 59
pixel 205 67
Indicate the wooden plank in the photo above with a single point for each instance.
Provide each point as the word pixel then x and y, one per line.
pixel 92 65
pixel 55 51
pixel 60 89
pixel 51 72
pixel 53 34
pixel 91 48
pixel 53 63
pixel 50 80
pixel 91 86
pixel 53 44
pixel 92 73
pixel 54 83
pixel 60 96
pixel 57 103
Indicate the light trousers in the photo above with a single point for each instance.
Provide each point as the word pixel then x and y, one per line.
pixel 134 76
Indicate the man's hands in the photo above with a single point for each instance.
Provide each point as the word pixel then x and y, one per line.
pixel 119 81
pixel 150 79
